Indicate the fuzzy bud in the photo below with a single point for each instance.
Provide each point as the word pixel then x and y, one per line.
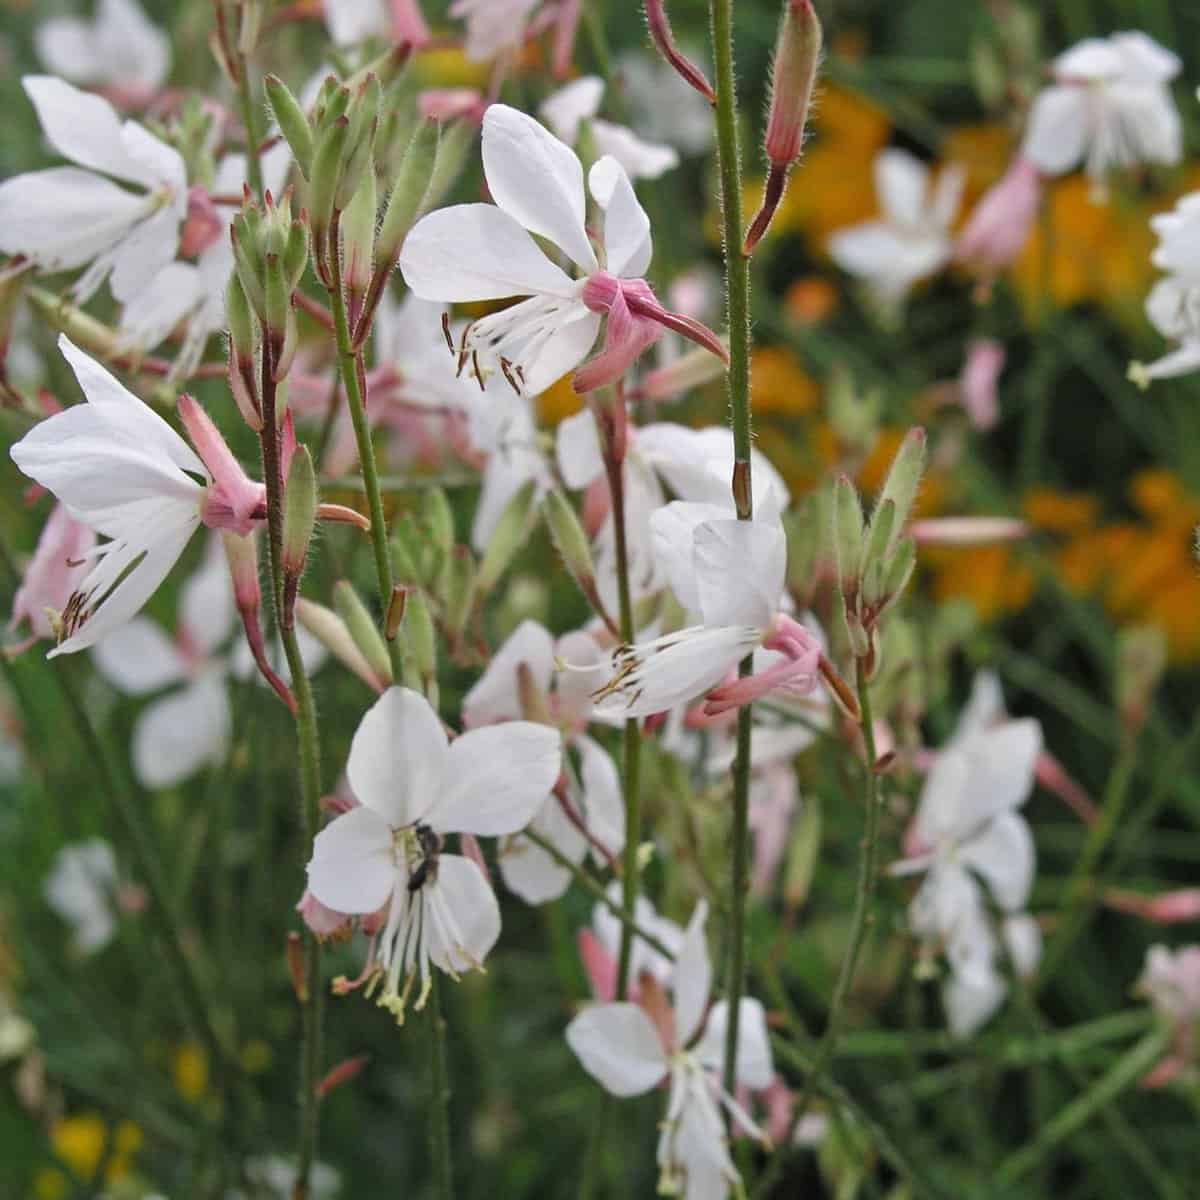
pixel 242 555
pixel 903 479
pixel 571 542
pixel 1141 661
pixel 421 641
pixel 508 537
pixel 332 632
pixel 847 535
pixel 292 122
pixel 410 193
pixel 664 41
pixel 299 517
pixel 363 628
pixel 358 235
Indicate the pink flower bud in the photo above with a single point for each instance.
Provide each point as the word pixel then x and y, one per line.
pixel 966 531
pixel 203 226
pixel 664 40
pixel 797 53
pixel 1166 908
pixel 977 384
pixel 232 500
pixel 998 227
pixel 408 23
pixel 448 104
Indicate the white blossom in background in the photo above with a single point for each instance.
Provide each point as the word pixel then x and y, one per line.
pixel 81 888
pixel 1109 107
pixel 476 252
pixel 1173 305
pixel 493 25
pixel 911 238
pixel 600 946
pixel 278 1176
pixel 1170 980
pixel 573 106
pixel 665 108
pixel 414 787
pixel 188 726
pixel 630 1048
pixel 120 469
pixel 966 836
pixel 66 217
pixel 590 815
pixel 120 51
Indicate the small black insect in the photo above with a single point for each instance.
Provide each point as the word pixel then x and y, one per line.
pixel 431 846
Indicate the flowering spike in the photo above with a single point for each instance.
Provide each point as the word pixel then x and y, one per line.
pixel 664 40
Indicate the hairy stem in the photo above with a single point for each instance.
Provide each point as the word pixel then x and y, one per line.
pixel 310 770
pixel 351 367
pixel 737 299
pixel 439 1117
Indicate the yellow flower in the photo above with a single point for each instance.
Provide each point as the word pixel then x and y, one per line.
pixel 189 1069
pixel 80 1141
pixel 779 384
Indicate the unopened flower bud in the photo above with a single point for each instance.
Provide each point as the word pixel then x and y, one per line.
pixel 507 538
pixel 903 479
pixel 332 632
pixel 358 236
pixel 460 592
pixel 879 538
pixel 327 161
pixel 360 140
pixel 242 556
pixel 797 54
pixel 343 1072
pixel 847 535
pixel 437 519
pixel 664 41
pixel 292 122
pixel 421 643
pixel 1141 661
pixel 898 569
pixel 85 331
pixel 410 193
pixel 363 629
pixel 299 517
pixel 690 370
pixel 404 561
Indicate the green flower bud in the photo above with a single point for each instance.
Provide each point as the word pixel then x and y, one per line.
pixel 903 479
pixel 326 171
pixel 847 535
pixel 879 538
pixel 421 643
pixel 292 122
pixel 508 537
pixel 571 542
pixel 299 517
pixel 410 194
pixel 897 571
pixel 332 632
pixel 364 630
pixel 358 235
pixel 460 593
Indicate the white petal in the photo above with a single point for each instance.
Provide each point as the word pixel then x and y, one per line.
pixel 1023 941
pixel 351 21
pixel 206 603
pixel 476 252
pixel 352 868
pixel 175 736
pixel 497 778
pixel 495 697
pixel 146 251
pixel 901 181
pixel 530 871
pixel 673 529
pixel 1057 131
pixel 573 687
pixel 618 1047
pixel 466 917
pixel 133 49
pixel 564 351
pixel 156 309
pixel 603 800
pixel 65 47
pixel 565 109
pixel 691 982
pixel 139 658
pixel 398 758
pixel 1092 58
pixel 740 568
pixel 577 448
pixel 641 159
pixel 1004 855
pixel 1002 762
pixel 984 707
pixel 971 1002
pixel 536 180
pixel 627 244
pixel 755 1068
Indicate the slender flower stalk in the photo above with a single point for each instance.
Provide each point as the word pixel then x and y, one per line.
pixel 737 294
pixel 310 765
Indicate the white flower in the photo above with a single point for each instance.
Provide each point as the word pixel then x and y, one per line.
pixel 493 25
pixel 629 1048
pixel 666 108
pixel 911 240
pixel 80 888
pixel 967 829
pixel 590 815
pixel 566 111
pixel 352 21
pixel 120 50
pixel 64 217
pixel 1109 107
pixel 730 574
pixel 278 1175
pixel 177 734
pixel 119 468
pixel 413 788
pixel 475 252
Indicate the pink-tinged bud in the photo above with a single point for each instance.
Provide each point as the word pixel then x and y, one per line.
pixel 59 562
pixel 598 965
pixel 977 384
pixel 566 26
pixel 334 634
pixel 232 499
pixel 1166 908
pixel 204 224
pixel 967 531
pixel 1053 776
pixel 797 56
pixel 999 225
pixel 449 104
pixel 322 922
pixel 345 1071
pixel 664 41
pixel 408 23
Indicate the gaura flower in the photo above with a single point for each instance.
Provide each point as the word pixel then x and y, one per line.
pixel 120 51
pixel 731 574
pixel 1171 981
pixel 600 947
pixel 352 21
pixel 630 1048
pixel 999 225
pixel 58 564
pixel 81 888
pixel 177 733
pixel 64 217
pixel 587 813
pixel 120 469
pixel 1109 107
pixel 577 104
pixel 496 26
pixel 911 239
pixel 477 252
pixel 413 788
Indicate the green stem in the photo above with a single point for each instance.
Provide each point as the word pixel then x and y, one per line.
pixel 350 365
pixel 310 768
pixel 439 1117
pixel 1127 1070
pixel 863 901
pixel 737 299
pixel 249 113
